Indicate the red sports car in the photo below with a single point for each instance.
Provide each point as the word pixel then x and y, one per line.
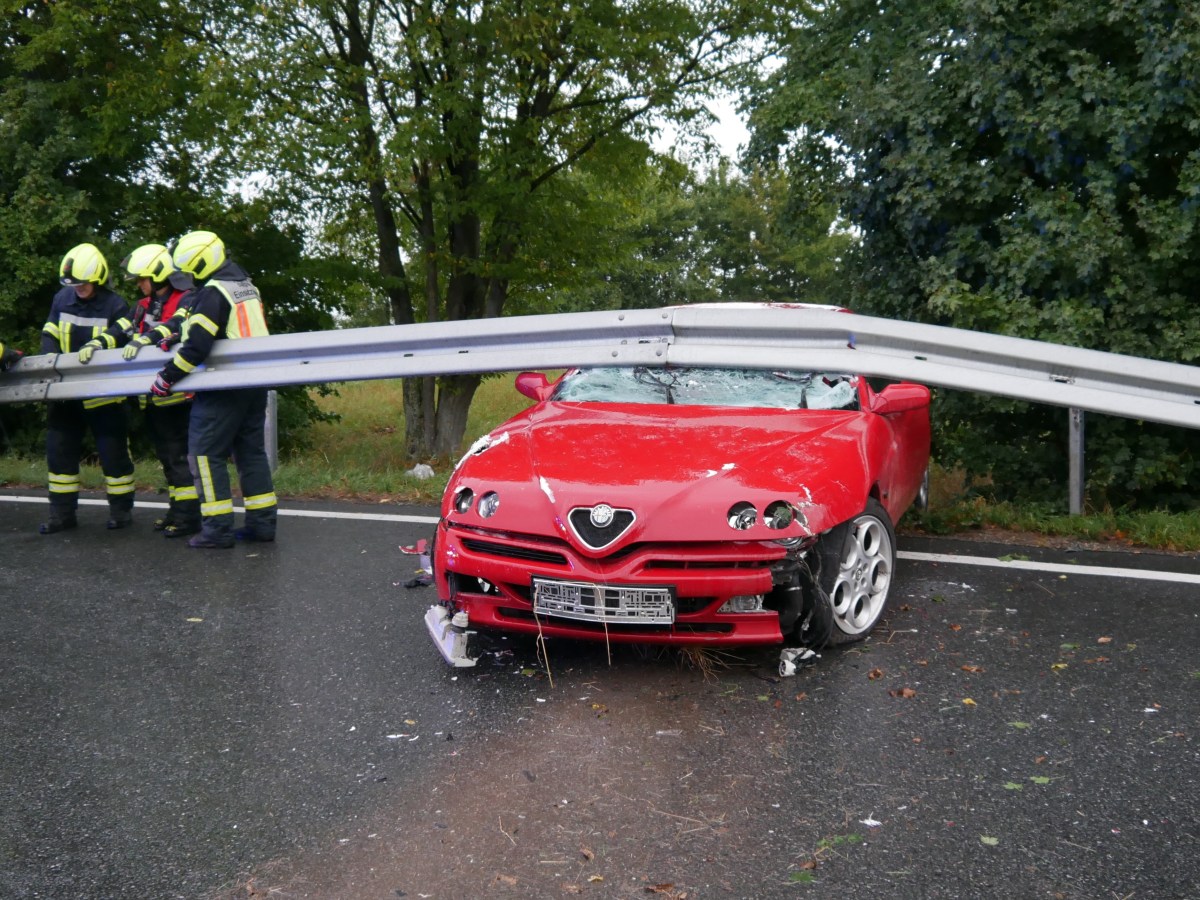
pixel 682 506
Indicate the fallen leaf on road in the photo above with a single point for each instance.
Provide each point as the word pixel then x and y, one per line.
pixel 967 701
pixel 974 670
pixel 875 674
pixel 1104 640
pixel 990 841
pixel 906 693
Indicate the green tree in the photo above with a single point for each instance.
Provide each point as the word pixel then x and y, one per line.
pixel 765 238
pixel 722 235
pixel 84 90
pixel 1021 168
pixel 444 130
pixel 108 137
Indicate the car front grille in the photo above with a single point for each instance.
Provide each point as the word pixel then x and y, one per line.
pixel 511 551
pixel 661 564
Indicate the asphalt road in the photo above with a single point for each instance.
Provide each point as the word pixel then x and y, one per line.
pixel 272 721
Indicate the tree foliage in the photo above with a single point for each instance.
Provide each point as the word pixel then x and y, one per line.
pixel 722 235
pixel 109 136
pixel 1019 168
pixel 439 135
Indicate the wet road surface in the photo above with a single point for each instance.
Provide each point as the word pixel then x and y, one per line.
pixel 272 721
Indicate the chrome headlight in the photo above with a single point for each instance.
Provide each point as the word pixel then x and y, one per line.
pixel 742 516
pixel 463 498
pixel 488 504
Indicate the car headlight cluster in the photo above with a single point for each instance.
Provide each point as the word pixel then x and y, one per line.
pixel 464 499
pixel 777 515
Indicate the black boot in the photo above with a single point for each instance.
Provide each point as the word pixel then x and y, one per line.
pixel 120 514
pixel 181 528
pixel 185 519
pixel 58 522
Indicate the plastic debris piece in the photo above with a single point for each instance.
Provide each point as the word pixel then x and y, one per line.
pixel 790 656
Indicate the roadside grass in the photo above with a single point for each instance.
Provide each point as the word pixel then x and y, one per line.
pixel 361 458
pixel 1179 532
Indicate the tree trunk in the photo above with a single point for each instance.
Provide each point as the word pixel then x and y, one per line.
pixel 454 403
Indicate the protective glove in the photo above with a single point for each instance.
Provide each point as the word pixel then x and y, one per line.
pixel 9 357
pixel 167 343
pixel 136 344
pixel 86 351
pixel 161 387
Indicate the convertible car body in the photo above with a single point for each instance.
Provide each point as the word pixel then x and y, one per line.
pixel 682 506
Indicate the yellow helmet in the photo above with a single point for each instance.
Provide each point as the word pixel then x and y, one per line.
pixel 83 263
pixel 199 253
pixel 151 261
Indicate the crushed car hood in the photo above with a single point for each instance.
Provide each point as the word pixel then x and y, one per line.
pixel 678 468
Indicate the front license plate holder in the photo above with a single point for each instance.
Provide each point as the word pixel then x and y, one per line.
pixel 620 604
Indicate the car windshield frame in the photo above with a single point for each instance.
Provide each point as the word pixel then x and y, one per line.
pixel 704 386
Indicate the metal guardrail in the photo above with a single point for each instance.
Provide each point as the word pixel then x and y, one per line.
pixel 740 335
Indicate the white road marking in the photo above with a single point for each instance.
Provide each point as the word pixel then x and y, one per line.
pixel 283 511
pixel 1058 568
pixel 954 559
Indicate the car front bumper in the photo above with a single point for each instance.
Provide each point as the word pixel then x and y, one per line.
pixel 490 575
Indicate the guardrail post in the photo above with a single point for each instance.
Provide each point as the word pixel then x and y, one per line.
pixel 271 429
pixel 1076 453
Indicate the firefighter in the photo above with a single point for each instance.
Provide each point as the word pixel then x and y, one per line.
pixel 225 423
pixel 8 356
pixel 81 310
pixel 165 291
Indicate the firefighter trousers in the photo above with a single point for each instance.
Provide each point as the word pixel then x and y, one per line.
pixel 227 424
pixel 67 421
pixel 168 429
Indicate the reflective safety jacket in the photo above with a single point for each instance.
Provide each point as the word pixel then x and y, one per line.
pixel 73 322
pixel 226 306
pixel 158 316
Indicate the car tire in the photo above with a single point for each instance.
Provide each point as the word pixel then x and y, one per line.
pixel 858 561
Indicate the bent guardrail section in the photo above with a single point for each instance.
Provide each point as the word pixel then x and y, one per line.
pixel 736 335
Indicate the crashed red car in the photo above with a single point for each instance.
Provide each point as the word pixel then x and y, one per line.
pixel 684 506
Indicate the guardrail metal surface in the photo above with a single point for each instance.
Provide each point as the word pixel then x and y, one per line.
pixel 711 335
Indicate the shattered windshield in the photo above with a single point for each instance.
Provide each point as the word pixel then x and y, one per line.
pixel 747 388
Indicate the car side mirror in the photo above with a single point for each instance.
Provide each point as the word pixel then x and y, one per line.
pixel 534 385
pixel 898 398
